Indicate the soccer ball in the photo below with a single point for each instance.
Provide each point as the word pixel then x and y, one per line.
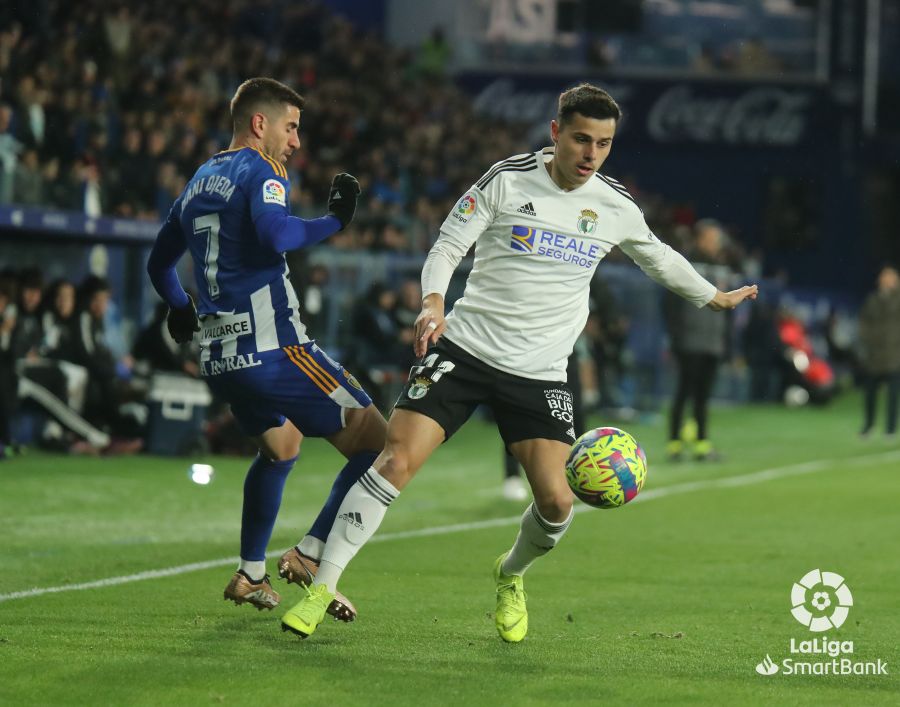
pixel 606 468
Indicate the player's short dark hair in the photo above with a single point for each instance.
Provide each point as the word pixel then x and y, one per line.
pixel 590 101
pixel 255 95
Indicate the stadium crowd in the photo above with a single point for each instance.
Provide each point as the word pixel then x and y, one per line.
pixel 131 99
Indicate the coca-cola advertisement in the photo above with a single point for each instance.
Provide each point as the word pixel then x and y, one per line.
pixel 710 113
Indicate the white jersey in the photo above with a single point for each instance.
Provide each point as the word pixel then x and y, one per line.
pixel 536 249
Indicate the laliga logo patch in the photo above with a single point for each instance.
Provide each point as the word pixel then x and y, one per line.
pixel 467 205
pixel 273 192
pixel 587 222
pixel 465 208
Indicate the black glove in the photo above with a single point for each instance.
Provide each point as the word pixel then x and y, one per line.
pixel 342 198
pixel 183 322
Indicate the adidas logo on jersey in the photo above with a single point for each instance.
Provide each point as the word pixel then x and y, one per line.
pixel 527 209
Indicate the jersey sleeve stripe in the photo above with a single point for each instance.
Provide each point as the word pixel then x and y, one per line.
pixel 523 168
pixel 511 162
pixel 305 355
pixel 291 352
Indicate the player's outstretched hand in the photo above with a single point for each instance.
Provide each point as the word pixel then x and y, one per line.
pixel 429 324
pixel 183 322
pixel 730 300
pixel 342 198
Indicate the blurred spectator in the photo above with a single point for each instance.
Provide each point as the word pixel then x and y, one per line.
pixel 28 182
pixel 156 350
pixel 59 322
pixel 85 188
pixel 599 54
pixel 30 108
pixel 762 351
pixel 28 333
pixel 105 392
pixel 9 151
pixel 409 304
pixel 377 332
pixel 698 339
pixel 133 189
pixel 434 54
pixel 56 193
pixel 606 332
pixel 8 381
pixel 879 332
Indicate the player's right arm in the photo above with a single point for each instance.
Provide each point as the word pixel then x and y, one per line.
pixel 470 217
pixel 170 245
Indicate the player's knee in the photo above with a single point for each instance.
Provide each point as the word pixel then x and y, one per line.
pixel 284 453
pixel 394 465
pixel 281 448
pixel 554 507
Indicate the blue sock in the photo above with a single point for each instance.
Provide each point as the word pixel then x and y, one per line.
pixel 356 466
pixel 262 499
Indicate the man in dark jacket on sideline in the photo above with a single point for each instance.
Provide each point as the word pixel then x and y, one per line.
pixel 879 333
pixel 699 341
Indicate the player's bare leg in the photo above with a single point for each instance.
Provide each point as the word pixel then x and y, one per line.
pixel 359 441
pixel 278 449
pixel 544 461
pixel 544 523
pixel 365 431
pixel 411 438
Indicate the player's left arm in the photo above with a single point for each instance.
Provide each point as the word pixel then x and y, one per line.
pixel 672 270
pixel 280 231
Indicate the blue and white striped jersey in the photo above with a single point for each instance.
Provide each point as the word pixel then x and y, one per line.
pixel 246 303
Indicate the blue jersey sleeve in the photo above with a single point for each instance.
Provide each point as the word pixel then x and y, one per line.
pixel 170 245
pixel 269 195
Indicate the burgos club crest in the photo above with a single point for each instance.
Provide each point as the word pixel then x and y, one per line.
pixel 419 387
pixel 587 222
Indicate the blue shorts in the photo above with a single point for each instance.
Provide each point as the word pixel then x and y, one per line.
pixel 304 386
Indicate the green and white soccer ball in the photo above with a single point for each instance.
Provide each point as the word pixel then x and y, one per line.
pixel 606 467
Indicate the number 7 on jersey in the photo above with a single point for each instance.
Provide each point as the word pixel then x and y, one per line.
pixel 208 227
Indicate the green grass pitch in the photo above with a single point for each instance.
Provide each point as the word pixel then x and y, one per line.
pixel 673 599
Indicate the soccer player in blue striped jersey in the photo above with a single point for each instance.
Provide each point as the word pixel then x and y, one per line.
pixel 235 220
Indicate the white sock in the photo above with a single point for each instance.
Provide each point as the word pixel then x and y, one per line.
pixel 311 547
pixel 254 569
pixel 359 516
pixel 537 536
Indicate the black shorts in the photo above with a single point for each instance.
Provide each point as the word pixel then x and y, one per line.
pixel 449 383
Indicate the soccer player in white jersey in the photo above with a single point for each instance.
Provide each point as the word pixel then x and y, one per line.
pixel 540 223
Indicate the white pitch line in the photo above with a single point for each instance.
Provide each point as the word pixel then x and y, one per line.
pixel 649 495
